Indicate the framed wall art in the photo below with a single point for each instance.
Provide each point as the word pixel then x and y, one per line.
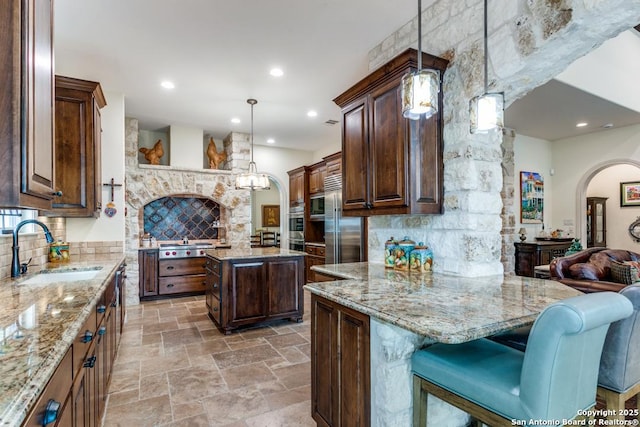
pixel 531 198
pixel 630 193
pixel 271 215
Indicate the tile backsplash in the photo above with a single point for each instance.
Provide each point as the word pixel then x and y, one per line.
pixel 175 217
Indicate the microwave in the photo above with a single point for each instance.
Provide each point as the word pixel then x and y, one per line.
pixel 316 206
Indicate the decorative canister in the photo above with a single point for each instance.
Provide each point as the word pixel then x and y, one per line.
pixel 390 253
pixel 421 258
pixel 59 252
pixel 403 251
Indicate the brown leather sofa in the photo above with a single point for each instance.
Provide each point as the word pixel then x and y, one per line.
pixel 590 270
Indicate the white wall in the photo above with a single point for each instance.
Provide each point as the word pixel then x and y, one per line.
pixel 330 147
pixel 186 147
pixel 265 197
pixel 105 228
pixel 534 155
pixel 606 183
pixel 576 160
pixel 277 161
pixel 613 56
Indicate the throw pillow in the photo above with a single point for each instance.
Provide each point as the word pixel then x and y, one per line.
pixel 625 272
pixel 583 271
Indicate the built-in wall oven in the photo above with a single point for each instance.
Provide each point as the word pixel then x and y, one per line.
pixel 296 229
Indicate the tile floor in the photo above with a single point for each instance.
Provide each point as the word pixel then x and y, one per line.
pixel 174 368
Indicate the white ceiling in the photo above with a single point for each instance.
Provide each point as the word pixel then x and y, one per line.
pixel 219 53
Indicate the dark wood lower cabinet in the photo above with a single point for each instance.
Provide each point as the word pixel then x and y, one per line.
pixel 81 381
pixel 340 365
pixel 241 292
pixel 530 255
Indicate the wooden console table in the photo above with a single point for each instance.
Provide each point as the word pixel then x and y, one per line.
pixel 532 254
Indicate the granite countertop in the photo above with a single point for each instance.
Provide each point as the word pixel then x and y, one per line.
pixel 444 308
pixel 38 324
pixel 242 253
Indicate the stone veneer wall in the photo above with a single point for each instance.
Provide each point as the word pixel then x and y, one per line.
pixel 529 43
pixel 145 183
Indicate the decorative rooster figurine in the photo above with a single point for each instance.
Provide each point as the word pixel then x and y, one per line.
pixel 215 157
pixel 153 154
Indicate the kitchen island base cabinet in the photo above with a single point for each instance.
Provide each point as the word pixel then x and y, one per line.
pixel 242 292
pixel 340 365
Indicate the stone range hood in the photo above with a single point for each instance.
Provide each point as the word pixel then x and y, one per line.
pixel 146 183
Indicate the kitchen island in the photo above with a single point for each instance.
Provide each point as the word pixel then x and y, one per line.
pixel 43 315
pixel 401 312
pixel 254 285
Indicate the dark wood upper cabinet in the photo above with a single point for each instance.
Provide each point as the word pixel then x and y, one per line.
pixel 26 108
pixel 77 143
pixel 317 172
pixel 298 186
pixel 390 165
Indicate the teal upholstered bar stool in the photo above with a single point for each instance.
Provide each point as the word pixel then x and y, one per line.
pixel 552 380
pixel 619 377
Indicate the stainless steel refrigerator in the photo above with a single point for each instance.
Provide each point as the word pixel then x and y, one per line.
pixel 343 235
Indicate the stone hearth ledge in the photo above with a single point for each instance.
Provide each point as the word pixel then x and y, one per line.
pixel 42 320
pixel 410 310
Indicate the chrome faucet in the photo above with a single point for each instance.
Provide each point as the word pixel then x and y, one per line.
pixel 15 260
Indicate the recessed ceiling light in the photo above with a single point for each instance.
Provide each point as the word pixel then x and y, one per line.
pixel 312 113
pixel 276 72
pixel 581 124
pixel 235 120
pixel 167 84
pixel 271 141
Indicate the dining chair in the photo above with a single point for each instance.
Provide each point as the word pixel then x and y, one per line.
pixel 553 379
pixel 619 376
pixel 255 240
pixel 268 238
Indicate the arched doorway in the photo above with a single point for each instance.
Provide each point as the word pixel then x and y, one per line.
pixel 604 180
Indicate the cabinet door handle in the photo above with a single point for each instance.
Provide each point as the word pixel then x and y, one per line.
pixel 170 267
pixel 101 308
pixel 87 337
pixel 50 412
pixel 102 330
pixel 57 193
pixel 204 283
pixel 170 285
pixel 90 362
pixel 215 308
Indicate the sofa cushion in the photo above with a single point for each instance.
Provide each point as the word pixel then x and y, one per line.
pixel 626 272
pixel 584 271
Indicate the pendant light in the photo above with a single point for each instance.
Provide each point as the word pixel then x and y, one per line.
pixel 420 88
pixel 486 111
pixel 252 180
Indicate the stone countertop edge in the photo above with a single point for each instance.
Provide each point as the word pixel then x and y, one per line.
pixel 359 276
pixel 245 253
pixel 15 405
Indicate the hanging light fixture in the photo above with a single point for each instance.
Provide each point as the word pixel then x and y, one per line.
pixel 486 111
pixel 420 88
pixel 252 180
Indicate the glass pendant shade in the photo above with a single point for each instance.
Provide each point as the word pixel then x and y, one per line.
pixel 487 112
pixel 420 94
pixel 252 180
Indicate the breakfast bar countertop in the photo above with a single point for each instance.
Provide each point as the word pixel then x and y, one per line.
pixel 39 321
pixel 444 308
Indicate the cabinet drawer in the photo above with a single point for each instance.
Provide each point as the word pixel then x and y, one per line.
pixel 175 285
pixel 315 250
pixel 216 310
pixel 83 341
pixel 213 266
pixel 178 267
pixel 58 389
